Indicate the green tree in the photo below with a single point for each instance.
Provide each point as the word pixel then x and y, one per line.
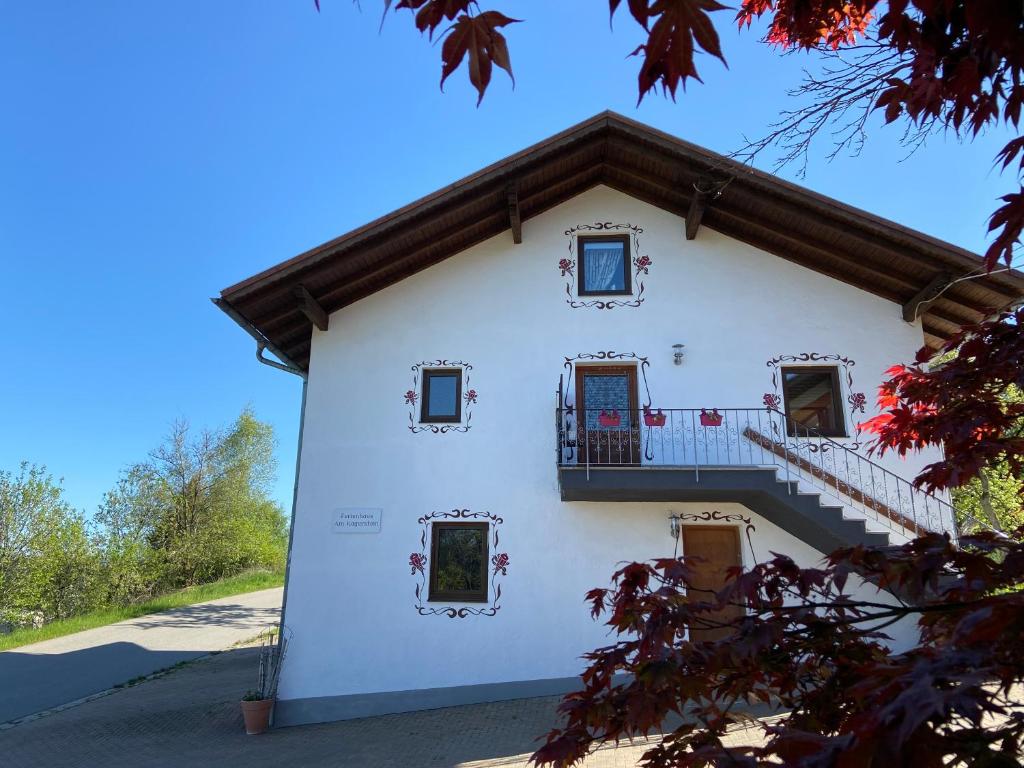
pixel 196 511
pixel 996 494
pixel 48 561
pixel 126 519
pixel 994 497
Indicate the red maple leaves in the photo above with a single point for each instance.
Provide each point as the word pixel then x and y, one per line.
pixel 962 61
pixel 432 13
pixel 961 404
pixel 479 38
pixel 472 34
pixel 814 651
pixel 964 67
pixel 957 64
pixel 1009 219
pixel 810 23
pixel 675 28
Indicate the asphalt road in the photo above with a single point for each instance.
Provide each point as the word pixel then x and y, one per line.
pixel 44 675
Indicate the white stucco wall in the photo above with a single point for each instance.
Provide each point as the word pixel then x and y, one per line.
pixel 502 308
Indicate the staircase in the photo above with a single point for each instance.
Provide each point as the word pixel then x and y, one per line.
pixel 815 487
pixel 805 515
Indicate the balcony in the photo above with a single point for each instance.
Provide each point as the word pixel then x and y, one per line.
pixel 810 484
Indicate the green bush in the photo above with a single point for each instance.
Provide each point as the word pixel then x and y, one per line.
pixel 196 511
pixel 49 565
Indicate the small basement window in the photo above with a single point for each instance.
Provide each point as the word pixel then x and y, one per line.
pixel 813 399
pixel 442 395
pixel 604 265
pixel 458 562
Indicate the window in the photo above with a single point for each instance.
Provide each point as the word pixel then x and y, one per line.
pixel 604 265
pixel 442 395
pixel 813 400
pixel 458 556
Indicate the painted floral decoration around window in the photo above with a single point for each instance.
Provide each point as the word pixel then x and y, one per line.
pixel 567 397
pixel 857 401
pixel 418 561
pixel 500 563
pixel 641 265
pixel 413 397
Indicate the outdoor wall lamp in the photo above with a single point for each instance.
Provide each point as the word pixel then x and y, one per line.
pixel 673 526
pixel 677 353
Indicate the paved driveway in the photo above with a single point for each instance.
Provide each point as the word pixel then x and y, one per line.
pixel 54 672
pixel 191 717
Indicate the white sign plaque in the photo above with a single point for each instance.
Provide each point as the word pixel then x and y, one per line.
pixel 356 520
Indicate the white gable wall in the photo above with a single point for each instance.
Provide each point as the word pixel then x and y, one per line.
pixel 502 308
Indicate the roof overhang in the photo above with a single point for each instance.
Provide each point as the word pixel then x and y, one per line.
pixel 282 304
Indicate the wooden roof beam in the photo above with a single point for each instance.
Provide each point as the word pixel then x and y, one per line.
pixel 764 229
pixel 515 219
pixel 920 301
pixel 349 286
pixel 910 243
pixel 903 240
pixel 698 204
pixel 310 307
pixel 414 230
pixel 352 286
pixel 705 191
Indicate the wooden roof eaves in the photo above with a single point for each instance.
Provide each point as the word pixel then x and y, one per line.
pixel 930 250
pixel 494 173
pixel 929 247
pixel 652 166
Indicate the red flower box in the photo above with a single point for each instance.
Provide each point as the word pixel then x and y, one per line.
pixel 713 419
pixel 612 419
pixel 654 419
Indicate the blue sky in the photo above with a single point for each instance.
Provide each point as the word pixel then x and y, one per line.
pixel 154 153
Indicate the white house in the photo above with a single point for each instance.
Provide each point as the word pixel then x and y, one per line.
pixel 513 384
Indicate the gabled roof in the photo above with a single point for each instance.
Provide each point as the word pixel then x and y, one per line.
pixel 280 305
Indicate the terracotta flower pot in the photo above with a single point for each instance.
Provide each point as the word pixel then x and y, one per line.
pixel 257 715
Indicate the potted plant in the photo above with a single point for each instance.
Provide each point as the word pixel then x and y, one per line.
pixel 713 419
pixel 606 419
pixel 653 419
pixel 256 712
pixel 257 704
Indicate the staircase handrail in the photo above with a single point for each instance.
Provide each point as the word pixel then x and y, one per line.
pixel 812 431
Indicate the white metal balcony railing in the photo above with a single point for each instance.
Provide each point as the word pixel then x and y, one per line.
pixel 699 438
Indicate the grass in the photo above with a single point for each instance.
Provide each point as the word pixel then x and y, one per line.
pixel 250 581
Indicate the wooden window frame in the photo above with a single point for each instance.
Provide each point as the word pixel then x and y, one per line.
pixel 629 371
pixel 585 437
pixel 627 262
pixel 459 596
pixel 837 399
pixel 425 416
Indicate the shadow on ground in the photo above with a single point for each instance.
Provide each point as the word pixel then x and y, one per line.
pixel 32 682
pixel 203 615
pixel 192 717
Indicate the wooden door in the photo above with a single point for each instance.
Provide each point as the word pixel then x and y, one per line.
pixel 607 417
pixel 719 549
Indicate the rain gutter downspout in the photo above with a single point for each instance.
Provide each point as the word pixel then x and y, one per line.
pixel 288 366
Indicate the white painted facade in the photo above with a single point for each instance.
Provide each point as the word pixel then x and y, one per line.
pixel 502 308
